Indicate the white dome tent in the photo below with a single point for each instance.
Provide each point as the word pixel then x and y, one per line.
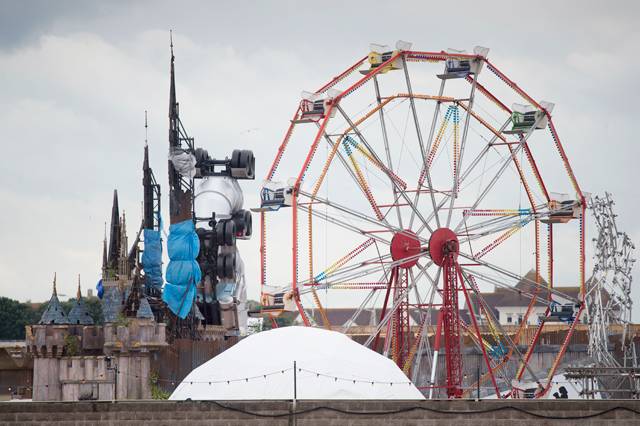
pixel 329 366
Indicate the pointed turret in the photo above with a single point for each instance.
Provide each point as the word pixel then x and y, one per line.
pixel 53 314
pixel 173 104
pixel 151 189
pixel 114 237
pixel 137 305
pixel 180 186
pixel 104 252
pixel 147 185
pixel 79 313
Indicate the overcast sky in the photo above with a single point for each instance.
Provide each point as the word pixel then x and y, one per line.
pixel 76 77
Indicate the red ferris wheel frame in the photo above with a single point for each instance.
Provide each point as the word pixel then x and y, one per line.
pixel 443 246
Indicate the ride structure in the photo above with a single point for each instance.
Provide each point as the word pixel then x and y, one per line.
pixel 609 289
pixel 205 276
pixel 612 346
pixel 405 196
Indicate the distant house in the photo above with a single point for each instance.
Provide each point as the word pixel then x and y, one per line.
pixel 509 306
pixel 339 317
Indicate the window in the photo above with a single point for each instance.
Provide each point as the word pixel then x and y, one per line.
pixel 509 318
pixel 520 316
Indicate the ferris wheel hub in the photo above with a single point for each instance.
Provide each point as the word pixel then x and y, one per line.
pixel 405 245
pixel 442 243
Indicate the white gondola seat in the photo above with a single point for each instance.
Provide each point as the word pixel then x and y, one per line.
pixel 274 195
pixel 562 209
pixel 525 118
pixel 380 54
pixel 565 312
pixel 461 67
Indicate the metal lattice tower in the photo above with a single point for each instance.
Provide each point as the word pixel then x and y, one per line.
pixel 608 295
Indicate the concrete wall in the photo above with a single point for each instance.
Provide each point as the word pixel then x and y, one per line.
pixel 430 413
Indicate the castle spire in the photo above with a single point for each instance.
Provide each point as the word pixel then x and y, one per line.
pixel 173 105
pixel 104 250
pixel 114 237
pixel 79 294
pixel 55 291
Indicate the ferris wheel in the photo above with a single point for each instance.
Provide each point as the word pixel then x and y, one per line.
pixel 409 187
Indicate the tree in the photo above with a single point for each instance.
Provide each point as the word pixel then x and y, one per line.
pixel 14 316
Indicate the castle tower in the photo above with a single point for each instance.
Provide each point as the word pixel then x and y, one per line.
pixel 53 314
pixel 79 313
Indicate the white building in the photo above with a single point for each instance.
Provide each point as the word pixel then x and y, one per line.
pixel 510 305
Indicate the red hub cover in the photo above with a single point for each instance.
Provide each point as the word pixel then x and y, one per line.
pixel 403 245
pixel 442 242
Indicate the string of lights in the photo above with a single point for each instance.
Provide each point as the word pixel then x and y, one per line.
pixel 247 379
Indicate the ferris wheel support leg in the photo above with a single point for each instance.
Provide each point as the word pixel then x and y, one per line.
pixel 384 308
pixel 436 349
pixel 563 349
pixel 451 325
pixel 477 330
pixel 401 329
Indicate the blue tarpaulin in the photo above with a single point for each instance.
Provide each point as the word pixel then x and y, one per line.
pixel 100 289
pixel 152 259
pixel 183 272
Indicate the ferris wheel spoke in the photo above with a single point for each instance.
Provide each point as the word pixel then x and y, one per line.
pixel 424 346
pixel 357 215
pixel 489 226
pixel 518 278
pixel 385 140
pixel 457 158
pixel 397 302
pixel 423 149
pixel 467 172
pixel 501 284
pixel 502 169
pixel 355 272
pixel 347 326
pixel 395 184
pixel 507 230
pixel 360 181
pixel 514 347
pixel 343 224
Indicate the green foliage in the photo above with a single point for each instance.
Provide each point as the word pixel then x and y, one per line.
pixel 156 391
pixel 94 306
pixel 253 305
pixel 121 320
pixel 14 316
pixel 284 320
pixel 71 345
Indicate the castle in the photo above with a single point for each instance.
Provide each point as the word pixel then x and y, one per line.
pixel 75 359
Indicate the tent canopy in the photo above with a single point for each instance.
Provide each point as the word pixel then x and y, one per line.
pixel 329 366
